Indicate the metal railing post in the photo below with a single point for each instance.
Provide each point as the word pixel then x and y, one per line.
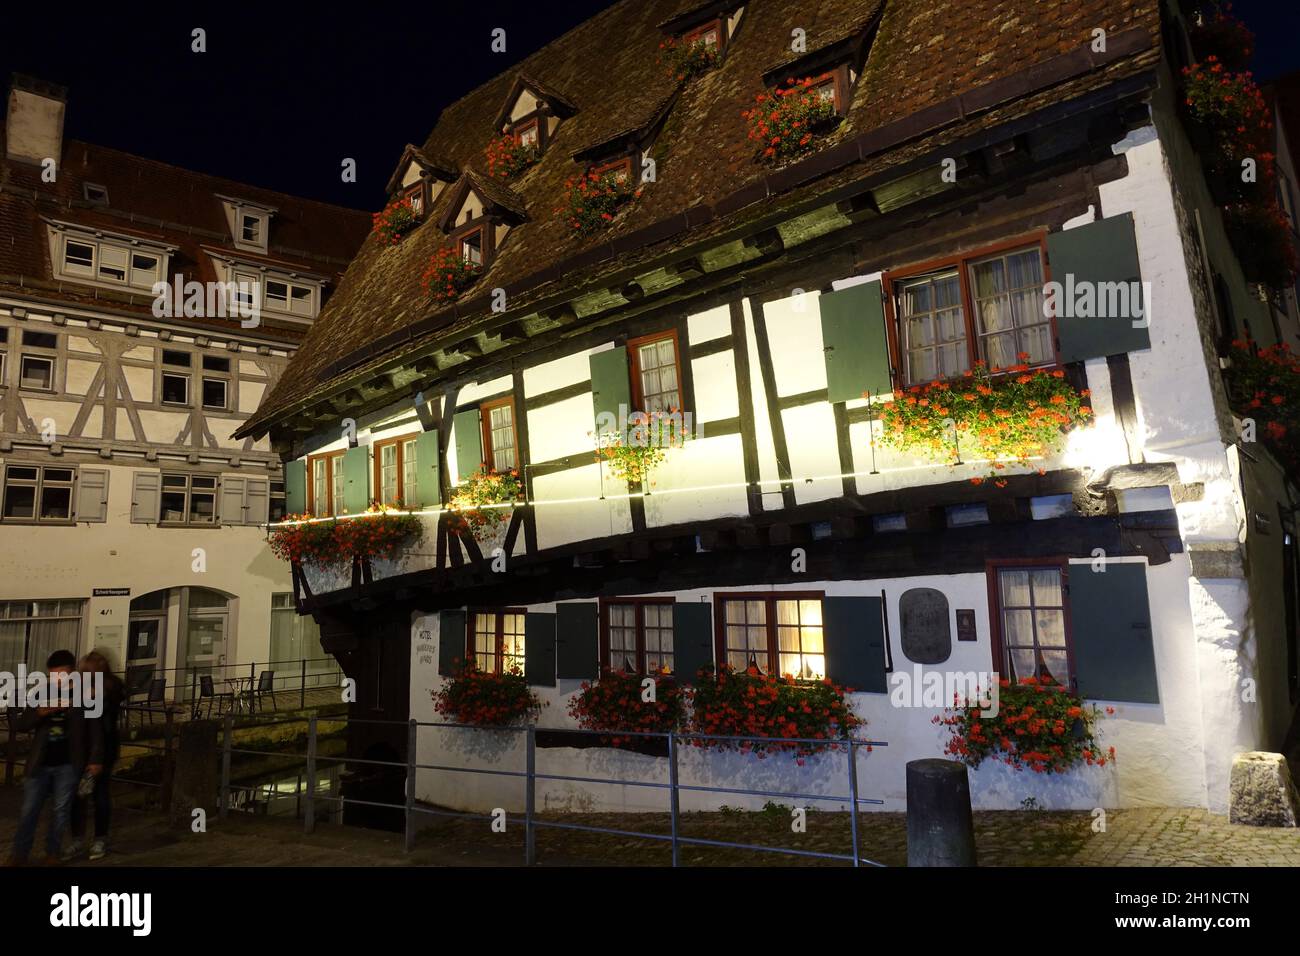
pixel 302 685
pixel 530 799
pixel 169 761
pixel 227 741
pixel 309 815
pixel 853 799
pixel 11 748
pixel 412 727
pixel 674 795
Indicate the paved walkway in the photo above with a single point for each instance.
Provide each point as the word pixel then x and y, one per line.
pixel 1015 838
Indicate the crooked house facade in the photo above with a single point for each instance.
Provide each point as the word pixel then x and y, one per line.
pixel 974 156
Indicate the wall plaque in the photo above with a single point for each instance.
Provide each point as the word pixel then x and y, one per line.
pixel 966 624
pixel 923 619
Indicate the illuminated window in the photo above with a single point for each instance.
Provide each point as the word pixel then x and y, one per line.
pixel 639 635
pixel 987 307
pixel 526 134
pixel 777 634
pixel 325 490
pixel 415 194
pixel 621 169
pixel 396 471
pixel 499 443
pixel 655 374
pixel 1032 623
pixel 496 641
pixel 471 247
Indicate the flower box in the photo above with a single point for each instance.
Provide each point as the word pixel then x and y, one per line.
pixel 486 699
pixel 381 534
pixel 477 504
pixel 786 121
pixel 594 199
pixel 395 222
pixel 507 157
pixel 448 274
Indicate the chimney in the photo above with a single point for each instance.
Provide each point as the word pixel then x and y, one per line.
pixel 34 121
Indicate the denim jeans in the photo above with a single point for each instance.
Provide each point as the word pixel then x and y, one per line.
pixel 59 783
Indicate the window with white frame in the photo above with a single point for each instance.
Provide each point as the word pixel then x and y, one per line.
pixel 188 499
pixel 175 383
pixel 4 355
pixel 109 263
pixel 295 298
pixel 251 228
pixel 37 359
pixel 41 493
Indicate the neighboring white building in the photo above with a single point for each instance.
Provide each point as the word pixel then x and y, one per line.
pixel 131 519
pixel 766 303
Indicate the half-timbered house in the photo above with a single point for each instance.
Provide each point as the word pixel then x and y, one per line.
pixel 131 518
pixel 976 151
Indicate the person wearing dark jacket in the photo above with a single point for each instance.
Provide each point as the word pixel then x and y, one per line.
pixel 114 693
pixel 64 743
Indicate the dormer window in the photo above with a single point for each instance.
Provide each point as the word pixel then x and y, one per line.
pixel 620 169
pixel 252 228
pixel 827 89
pixel 108 261
pixel 249 223
pixel 415 196
pixel 530 115
pixel 471 247
pixel 528 134
pixel 710 35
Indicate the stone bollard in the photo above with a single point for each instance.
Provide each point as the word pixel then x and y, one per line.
pixel 940 829
pixel 1261 792
pixel 196 777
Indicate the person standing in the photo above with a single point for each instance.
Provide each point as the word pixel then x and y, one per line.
pixel 114 692
pixel 64 743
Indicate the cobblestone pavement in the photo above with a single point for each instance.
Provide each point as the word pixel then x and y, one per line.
pixel 1154 837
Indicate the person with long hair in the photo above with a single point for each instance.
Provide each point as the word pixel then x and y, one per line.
pixel 114 694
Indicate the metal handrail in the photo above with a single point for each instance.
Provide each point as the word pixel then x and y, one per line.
pixel 530 775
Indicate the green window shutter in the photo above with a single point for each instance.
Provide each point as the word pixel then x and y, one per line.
pixel 577 641
pixel 539 649
pixel 295 487
pixel 451 642
pixel 428 488
pixel 854 639
pixel 611 389
pixel 1110 624
pixel 356 479
pixel 855 343
pixel 692 639
pixel 1104 251
pixel 469 443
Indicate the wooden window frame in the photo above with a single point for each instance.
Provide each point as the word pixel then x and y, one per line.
pixel 485 429
pixel 377 448
pixel 417 191
pixel 694 33
pixel 38 484
pixel 640 604
pixel 483 226
pixel 892 280
pixel 518 129
pixel 499 615
pixel 634 366
pixel 720 599
pixel 993 567
pixel 331 458
pixel 624 162
pixel 190 491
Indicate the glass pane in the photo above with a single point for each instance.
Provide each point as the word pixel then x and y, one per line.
pixel 1055 667
pixel 173 506
pixel 1015 588
pixel 20 501
pixel 1051 628
pixel 1018 628
pixel 1047 587
pixel 203 507
pixel 56 503
pixel 787 612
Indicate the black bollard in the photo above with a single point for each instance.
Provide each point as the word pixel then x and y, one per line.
pixel 940 830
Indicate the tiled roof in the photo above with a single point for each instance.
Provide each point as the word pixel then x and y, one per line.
pixel 161 203
pixel 937 70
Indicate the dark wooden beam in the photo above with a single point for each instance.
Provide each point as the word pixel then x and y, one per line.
pixel 745 399
pixel 775 421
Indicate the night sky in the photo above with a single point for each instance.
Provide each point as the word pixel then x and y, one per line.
pixel 280 98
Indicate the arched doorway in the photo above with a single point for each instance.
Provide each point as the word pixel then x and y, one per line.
pixel 179 634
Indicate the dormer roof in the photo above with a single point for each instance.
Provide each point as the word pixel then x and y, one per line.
pixel 559 104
